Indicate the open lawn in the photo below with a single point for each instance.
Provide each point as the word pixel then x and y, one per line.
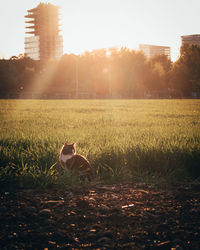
pixel 125 140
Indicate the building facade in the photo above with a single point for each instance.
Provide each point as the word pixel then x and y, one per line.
pixel 154 50
pixel 43 41
pixel 191 39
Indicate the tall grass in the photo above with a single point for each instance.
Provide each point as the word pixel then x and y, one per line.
pixel 125 140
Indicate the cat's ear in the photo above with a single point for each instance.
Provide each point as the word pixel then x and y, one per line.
pixel 65 144
pixel 74 143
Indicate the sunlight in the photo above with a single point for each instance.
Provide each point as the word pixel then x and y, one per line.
pixel 2 56
pixel 95 30
pixel 42 81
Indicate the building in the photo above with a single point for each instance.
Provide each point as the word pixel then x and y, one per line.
pixel 191 39
pixel 42 41
pixel 153 50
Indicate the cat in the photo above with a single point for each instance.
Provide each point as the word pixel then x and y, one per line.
pixel 78 164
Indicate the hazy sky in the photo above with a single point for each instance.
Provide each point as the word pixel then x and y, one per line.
pixel 93 24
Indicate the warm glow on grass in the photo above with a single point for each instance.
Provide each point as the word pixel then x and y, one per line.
pixel 141 140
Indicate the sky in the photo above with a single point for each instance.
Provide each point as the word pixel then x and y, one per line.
pixel 93 24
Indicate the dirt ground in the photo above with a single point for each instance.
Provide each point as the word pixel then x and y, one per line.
pixel 101 217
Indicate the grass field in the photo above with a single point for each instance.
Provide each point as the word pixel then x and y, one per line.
pixel 125 140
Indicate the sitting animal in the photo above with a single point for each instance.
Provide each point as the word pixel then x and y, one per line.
pixel 78 164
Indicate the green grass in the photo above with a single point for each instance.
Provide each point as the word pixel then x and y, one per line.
pixel 125 140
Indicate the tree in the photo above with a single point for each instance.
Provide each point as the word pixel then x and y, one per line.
pixel 159 71
pixel 186 70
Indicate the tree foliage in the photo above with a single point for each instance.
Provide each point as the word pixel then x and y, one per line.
pixel 185 75
pixel 105 73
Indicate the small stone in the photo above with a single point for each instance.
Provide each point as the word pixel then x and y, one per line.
pixel 108 234
pixel 45 213
pixel 113 196
pixel 104 240
pixel 104 207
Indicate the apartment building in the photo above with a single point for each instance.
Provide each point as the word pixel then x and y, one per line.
pixel 43 41
pixel 153 50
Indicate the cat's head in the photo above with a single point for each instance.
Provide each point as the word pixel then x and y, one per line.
pixel 69 149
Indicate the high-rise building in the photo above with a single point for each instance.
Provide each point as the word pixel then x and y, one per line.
pixel 153 50
pixel 191 39
pixel 43 41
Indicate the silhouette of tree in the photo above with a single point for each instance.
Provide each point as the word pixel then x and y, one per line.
pixel 186 70
pixel 159 72
pixel 105 73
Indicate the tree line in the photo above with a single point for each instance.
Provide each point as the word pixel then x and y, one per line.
pixel 116 73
